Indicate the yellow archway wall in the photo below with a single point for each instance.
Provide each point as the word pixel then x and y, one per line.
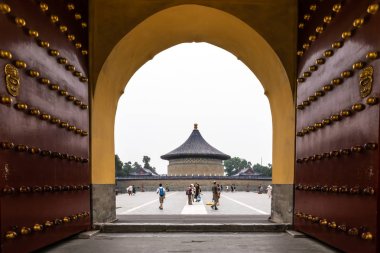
pixel 171 27
pixel 191 23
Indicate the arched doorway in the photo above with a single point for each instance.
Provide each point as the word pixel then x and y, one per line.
pixel 172 26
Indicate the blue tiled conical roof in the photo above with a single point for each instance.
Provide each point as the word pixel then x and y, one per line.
pixel 195 146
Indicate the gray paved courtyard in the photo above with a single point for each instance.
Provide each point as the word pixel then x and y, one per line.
pixel 237 203
pixel 239 207
pixel 191 242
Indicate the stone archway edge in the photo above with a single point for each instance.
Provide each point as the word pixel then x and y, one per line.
pixel 164 30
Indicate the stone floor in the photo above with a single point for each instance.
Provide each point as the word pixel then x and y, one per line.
pixel 237 203
pixel 190 218
pixel 238 207
pixel 191 242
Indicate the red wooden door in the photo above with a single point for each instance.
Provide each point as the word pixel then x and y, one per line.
pixel 337 169
pixel 44 122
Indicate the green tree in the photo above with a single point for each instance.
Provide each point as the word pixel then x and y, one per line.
pixel 136 166
pixel 119 167
pixel 146 160
pixel 127 168
pixel 234 165
pixel 263 170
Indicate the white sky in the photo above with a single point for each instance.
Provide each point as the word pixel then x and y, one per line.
pixel 193 83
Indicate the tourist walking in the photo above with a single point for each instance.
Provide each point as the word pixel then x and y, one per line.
pixel 198 191
pixel 260 189
pixel 192 193
pixel 161 193
pixel 269 191
pixel 215 196
pixel 189 193
pixel 133 190
pixel 129 190
pixel 220 188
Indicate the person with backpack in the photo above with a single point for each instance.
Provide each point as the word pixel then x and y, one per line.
pixel 161 192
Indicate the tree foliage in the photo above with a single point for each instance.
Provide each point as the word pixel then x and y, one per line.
pixel 136 166
pixel 119 172
pixel 263 170
pixel 125 169
pixel 146 160
pixel 128 169
pixel 236 164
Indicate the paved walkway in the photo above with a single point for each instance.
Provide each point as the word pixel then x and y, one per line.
pixel 191 242
pixel 191 218
pixel 237 203
pixel 238 207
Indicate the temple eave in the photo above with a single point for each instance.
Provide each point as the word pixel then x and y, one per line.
pixel 210 156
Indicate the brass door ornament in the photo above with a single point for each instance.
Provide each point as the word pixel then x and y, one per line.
pixel 365 81
pixel 12 79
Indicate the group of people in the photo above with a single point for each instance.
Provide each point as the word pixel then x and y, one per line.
pixel 227 188
pixel 269 190
pixel 131 190
pixel 193 193
pixel 232 187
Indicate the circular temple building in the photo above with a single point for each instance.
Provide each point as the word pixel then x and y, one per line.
pixel 195 157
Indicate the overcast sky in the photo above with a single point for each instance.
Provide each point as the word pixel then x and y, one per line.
pixel 193 83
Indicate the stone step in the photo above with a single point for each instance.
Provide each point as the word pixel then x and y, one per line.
pixel 87 234
pixel 296 234
pixel 194 227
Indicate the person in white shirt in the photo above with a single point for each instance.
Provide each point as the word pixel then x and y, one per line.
pixel 269 191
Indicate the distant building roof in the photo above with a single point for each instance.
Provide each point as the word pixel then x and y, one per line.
pixel 143 172
pixel 246 172
pixel 196 147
